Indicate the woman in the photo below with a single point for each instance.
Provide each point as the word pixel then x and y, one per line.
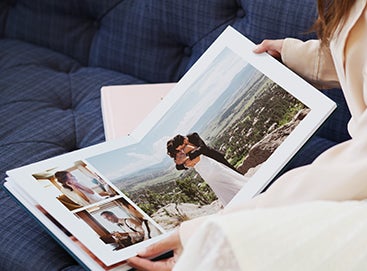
pixel 82 195
pixel 338 57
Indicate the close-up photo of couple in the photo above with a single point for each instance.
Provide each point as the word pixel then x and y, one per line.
pixel 191 152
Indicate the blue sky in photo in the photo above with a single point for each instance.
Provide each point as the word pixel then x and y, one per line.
pixel 198 101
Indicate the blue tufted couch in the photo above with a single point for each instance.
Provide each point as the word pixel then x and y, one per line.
pixel 56 55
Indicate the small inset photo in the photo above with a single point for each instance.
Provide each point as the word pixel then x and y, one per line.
pixel 78 184
pixel 119 224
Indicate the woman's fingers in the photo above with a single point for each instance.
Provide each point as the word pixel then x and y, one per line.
pixel 272 47
pixel 171 242
pixel 143 264
pixel 143 261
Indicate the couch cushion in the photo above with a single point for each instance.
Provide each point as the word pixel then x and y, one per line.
pixel 335 128
pixel 64 26
pixel 172 31
pixel 176 33
pixel 49 105
pixel 25 245
pixel 108 34
pixel 264 19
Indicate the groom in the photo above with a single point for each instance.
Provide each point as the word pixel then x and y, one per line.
pixel 179 142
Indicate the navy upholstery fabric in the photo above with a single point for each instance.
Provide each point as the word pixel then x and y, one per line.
pixel 64 26
pixel 335 128
pixel 333 131
pixel 55 56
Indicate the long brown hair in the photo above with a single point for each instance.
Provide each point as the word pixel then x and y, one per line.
pixel 331 14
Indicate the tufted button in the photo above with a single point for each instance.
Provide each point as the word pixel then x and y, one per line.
pixel 240 13
pixel 96 24
pixel 187 51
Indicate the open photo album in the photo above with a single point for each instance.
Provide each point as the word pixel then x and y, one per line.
pixel 219 137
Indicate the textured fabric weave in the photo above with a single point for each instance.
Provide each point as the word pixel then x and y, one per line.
pixel 64 26
pixel 56 55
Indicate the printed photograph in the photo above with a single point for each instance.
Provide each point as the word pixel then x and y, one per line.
pixel 208 146
pixel 119 224
pixel 79 186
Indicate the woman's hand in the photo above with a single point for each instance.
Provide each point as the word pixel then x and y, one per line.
pixel 272 47
pixel 142 262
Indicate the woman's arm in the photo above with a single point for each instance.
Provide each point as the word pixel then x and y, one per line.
pixel 311 61
pixel 308 59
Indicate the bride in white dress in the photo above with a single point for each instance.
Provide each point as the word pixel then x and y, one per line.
pixel 224 181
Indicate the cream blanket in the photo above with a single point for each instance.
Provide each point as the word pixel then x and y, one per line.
pixel 318 235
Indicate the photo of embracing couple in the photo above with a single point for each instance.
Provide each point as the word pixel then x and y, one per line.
pixel 191 152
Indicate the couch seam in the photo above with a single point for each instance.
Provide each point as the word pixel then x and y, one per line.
pixel 72 111
pixel 6 15
pixel 109 10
